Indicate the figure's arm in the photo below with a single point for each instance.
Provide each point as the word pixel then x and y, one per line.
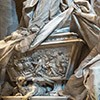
pixel 84 9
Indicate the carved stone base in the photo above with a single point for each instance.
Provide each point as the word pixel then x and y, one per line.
pixel 35 98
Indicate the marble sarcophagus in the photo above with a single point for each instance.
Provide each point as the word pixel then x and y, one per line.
pixel 49 65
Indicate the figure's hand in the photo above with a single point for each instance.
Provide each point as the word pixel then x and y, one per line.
pixel 24 45
pixel 15 35
pixel 21 33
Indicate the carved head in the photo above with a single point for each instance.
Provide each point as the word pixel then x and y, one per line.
pixel 21 80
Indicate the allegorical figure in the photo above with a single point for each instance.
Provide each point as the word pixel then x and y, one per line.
pixel 84 81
